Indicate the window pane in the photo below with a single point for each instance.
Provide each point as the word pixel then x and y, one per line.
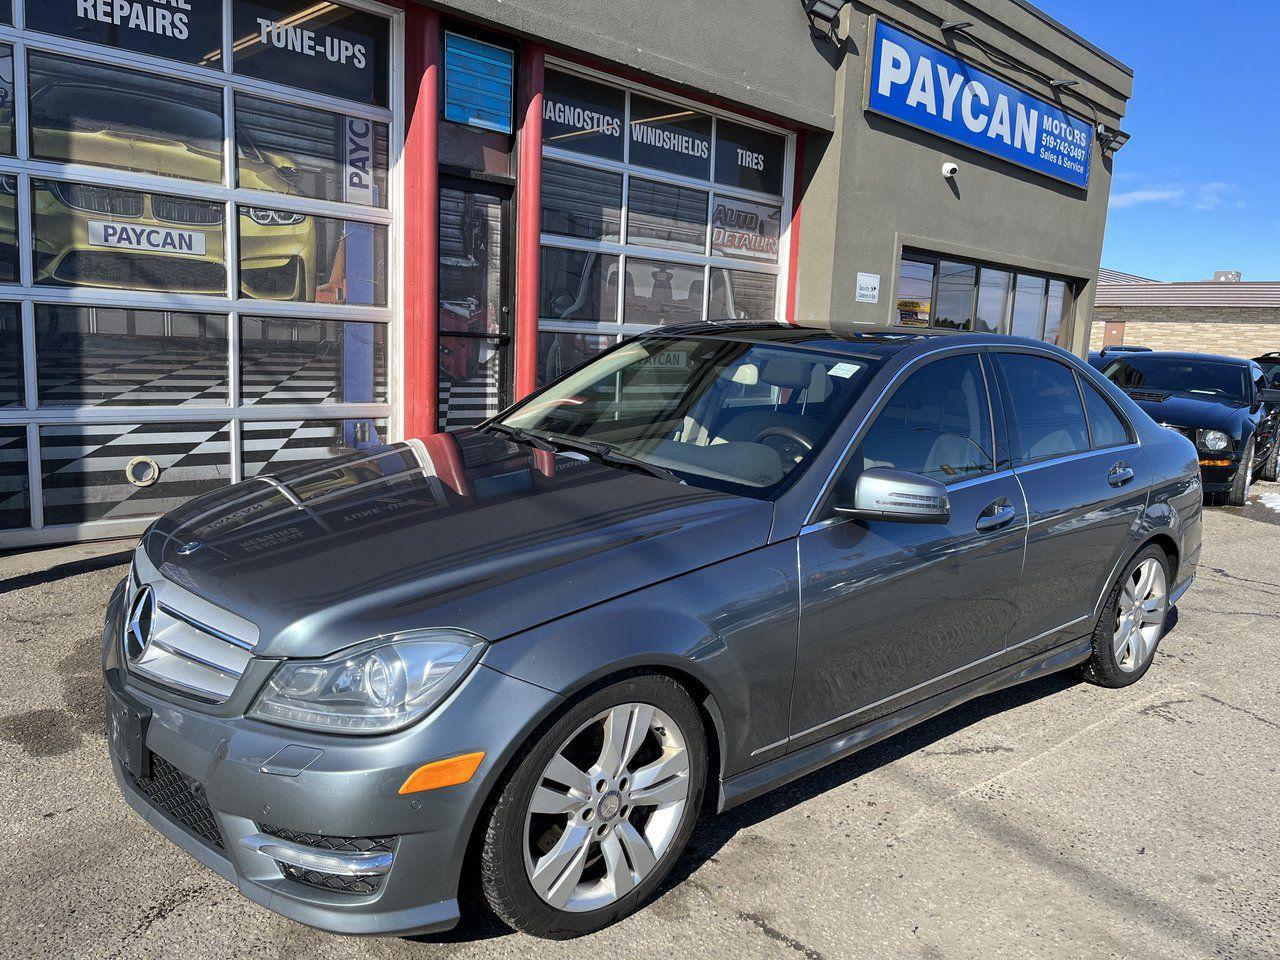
pixel 955 295
pixel 1028 306
pixel 661 215
pixel 581 202
pixel 915 293
pixel 324 47
pixel 1055 311
pixel 1046 406
pixel 670 138
pixel 308 152
pixel 558 353
pixel 582 115
pixel 294 256
pixel 83 112
pixel 749 158
pixel 283 360
pixel 478 79
pixel 87 468
pixel 993 299
pixel 475 149
pixel 15 504
pixel 742 295
pixel 12 391
pixel 740 228
pixel 273 445
pixel 6 98
pixel 125 239
pixel 471 258
pixel 662 292
pixel 109 356
pixel 578 286
pixel 470 378
pixel 1105 424
pixel 937 424
pixel 191 32
pixel 8 228
pixel 6 11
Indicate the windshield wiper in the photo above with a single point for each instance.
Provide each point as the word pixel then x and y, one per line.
pixel 616 457
pixel 521 436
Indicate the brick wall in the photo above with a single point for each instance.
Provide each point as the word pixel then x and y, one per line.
pixel 1238 333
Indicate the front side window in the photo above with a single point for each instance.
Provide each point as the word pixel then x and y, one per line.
pixel 1047 413
pixel 729 415
pixel 937 424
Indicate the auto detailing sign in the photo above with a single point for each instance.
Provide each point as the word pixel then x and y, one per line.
pixel 923 86
pixel 186 30
pixel 740 228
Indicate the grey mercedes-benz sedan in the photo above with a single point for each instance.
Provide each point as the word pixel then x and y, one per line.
pixel 707 562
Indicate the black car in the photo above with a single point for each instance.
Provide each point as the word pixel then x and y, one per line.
pixel 1100 358
pixel 1223 404
pixel 1270 364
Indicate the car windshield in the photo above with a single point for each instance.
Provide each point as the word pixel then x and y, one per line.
pixel 729 415
pixel 1206 378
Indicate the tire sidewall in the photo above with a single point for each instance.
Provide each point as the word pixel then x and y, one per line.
pixel 1238 495
pixel 1102 667
pixel 520 905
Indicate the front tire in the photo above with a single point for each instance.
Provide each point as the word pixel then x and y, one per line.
pixel 597 810
pixel 1132 621
pixel 1238 495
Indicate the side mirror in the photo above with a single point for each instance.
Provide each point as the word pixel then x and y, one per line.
pixel 882 493
pixel 1271 395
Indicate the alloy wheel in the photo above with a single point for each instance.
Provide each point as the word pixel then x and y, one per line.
pixel 606 808
pixel 1140 614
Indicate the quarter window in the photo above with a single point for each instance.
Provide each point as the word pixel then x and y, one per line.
pixel 1046 410
pixel 937 424
pixel 1105 426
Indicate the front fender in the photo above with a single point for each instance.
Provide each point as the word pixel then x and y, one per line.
pixel 730 628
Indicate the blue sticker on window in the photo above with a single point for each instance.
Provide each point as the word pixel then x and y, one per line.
pixel 478 82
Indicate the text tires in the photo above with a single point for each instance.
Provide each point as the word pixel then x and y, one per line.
pixel 597 809
pixel 1132 621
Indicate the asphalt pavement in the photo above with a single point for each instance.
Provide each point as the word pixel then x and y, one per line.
pixel 1056 820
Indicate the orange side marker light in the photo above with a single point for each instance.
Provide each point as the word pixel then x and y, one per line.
pixel 443 773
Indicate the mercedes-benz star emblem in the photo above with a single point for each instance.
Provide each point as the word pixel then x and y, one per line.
pixel 190 547
pixel 137 632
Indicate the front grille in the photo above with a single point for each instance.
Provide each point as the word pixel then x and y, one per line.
pixel 182 210
pixel 331 881
pixel 181 799
pixel 105 200
pixel 144 271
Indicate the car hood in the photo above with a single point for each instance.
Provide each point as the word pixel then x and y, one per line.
pixel 1182 411
pixel 459 530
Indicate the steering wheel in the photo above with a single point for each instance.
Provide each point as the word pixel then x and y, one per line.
pixel 790 444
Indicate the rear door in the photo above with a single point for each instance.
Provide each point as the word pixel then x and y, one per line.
pixel 1085 479
pixel 891 611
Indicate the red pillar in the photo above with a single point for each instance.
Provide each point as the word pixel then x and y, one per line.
pixel 528 218
pixel 421 220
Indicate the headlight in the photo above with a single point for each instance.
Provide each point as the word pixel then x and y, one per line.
pixel 376 687
pixel 1214 440
pixel 273 218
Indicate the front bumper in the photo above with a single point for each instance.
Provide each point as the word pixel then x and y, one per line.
pixel 346 787
pixel 1218 479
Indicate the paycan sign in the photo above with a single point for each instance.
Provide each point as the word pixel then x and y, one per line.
pixel 926 87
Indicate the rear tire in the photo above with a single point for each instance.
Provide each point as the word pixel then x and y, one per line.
pixel 1270 469
pixel 1238 495
pixel 1131 624
pixel 597 810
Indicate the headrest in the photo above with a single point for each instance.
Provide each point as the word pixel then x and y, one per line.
pixel 786 372
pixel 747 374
pixel 819 385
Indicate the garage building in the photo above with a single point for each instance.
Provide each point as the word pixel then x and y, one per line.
pixel 237 235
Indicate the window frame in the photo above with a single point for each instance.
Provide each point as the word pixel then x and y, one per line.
pixel 916 255
pixel 1131 435
pixel 622 248
pixel 1011 414
pixel 231 303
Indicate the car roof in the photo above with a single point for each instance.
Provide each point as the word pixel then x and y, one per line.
pixel 879 344
pixel 1188 355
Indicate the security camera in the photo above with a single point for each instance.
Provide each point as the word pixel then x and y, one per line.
pixel 949 170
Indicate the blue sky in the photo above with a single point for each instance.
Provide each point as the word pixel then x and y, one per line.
pixel 1197 189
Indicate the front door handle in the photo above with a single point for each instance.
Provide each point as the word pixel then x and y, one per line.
pixel 1119 475
pixel 995 516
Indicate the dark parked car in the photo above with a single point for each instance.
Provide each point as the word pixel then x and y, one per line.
pixel 1098 358
pixel 1270 364
pixel 704 564
pixel 1223 404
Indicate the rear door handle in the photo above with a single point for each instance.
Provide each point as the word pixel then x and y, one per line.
pixel 994 519
pixel 1119 475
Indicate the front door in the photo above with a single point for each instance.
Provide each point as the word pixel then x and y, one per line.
pixel 475 316
pixel 890 611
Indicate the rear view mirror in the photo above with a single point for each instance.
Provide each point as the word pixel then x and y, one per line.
pixel 882 493
pixel 1271 395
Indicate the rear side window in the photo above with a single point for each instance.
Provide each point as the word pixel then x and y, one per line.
pixel 1048 417
pixel 1105 425
pixel 938 423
